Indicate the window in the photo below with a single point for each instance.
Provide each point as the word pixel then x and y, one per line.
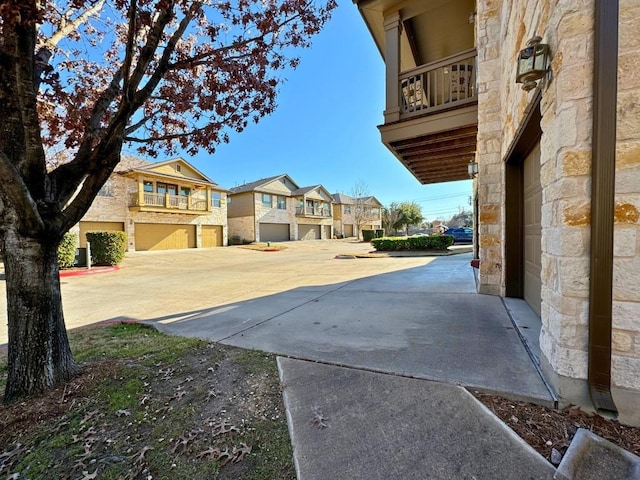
pixel 266 200
pixel 282 202
pixel 178 168
pixel 347 209
pixel 375 211
pixel 185 191
pixel 107 189
pixel 147 186
pixel 216 199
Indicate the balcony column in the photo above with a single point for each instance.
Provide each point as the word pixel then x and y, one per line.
pixel 392 31
pixel 140 191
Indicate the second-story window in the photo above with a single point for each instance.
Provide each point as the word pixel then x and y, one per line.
pixel 347 209
pixel 282 202
pixel 147 186
pixel 216 199
pixel 266 200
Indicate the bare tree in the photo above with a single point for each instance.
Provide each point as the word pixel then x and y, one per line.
pixel 361 208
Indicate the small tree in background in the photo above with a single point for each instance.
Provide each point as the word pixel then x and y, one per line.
pixel 411 214
pixel 463 218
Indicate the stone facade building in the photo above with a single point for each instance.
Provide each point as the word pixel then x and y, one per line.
pixel 557 190
pixel 277 209
pixel 352 215
pixel 161 206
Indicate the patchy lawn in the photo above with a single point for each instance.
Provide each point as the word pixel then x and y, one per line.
pixel 151 406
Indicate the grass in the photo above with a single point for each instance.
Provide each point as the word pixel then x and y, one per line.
pixel 148 405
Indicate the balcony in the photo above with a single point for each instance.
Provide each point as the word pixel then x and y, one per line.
pixel 431 105
pixel 160 202
pixel 321 212
pixel 434 132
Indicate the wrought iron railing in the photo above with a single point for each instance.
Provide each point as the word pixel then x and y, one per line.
pixel 447 83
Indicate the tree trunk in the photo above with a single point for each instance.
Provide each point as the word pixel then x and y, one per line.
pixel 39 355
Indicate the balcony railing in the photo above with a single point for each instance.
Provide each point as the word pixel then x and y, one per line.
pixel 170 202
pixel 313 212
pixel 447 83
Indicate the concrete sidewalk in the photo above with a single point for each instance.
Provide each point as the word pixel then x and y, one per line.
pixel 348 424
pixel 424 322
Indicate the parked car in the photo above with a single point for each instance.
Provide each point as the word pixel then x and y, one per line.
pixel 461 234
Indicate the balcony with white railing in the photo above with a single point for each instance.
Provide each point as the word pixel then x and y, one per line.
pixel 164 202
pixel 313 212
pixel 446 84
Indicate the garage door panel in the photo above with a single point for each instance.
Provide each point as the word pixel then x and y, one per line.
pixel 86 227
pixel 274 232
pixel 157 236
pixel 532 230
pixel 348 230
pixel 211 236
pixel 308 232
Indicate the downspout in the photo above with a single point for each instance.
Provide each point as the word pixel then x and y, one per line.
pixel 603 202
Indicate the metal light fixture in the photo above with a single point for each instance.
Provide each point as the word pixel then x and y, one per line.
pixel 472 168
pixel 533 63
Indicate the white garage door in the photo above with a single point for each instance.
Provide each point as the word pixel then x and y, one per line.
pixel 532 231
pixel 158 236
pixel 274 232
pixel 308 232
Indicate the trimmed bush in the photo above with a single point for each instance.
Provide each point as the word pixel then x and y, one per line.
pixel 67 250
pixel 368 235
pixel 431 242
pixel 107 248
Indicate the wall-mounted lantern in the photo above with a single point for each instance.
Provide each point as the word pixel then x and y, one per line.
pixel 533 63
pixel 472 168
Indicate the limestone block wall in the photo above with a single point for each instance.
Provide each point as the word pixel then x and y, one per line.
pixel 244 228
pixel 503 27
pixel 626 267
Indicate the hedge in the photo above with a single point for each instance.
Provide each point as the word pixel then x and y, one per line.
pixel 67 250
pixel 431 242
pixel 368 235
pixel 107 248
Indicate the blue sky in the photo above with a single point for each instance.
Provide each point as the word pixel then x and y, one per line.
pixel 324 129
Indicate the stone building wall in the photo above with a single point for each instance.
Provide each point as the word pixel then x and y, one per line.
pixel 112 205
pixel 503 28
pixel 626 267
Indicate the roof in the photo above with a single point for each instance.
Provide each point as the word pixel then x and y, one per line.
pixel 347 200
pixel 130 164
pixel 252 186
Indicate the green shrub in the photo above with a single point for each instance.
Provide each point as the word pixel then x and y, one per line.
pixel 368 235
pixel 107 248
pixel 67 250
pixel 431 242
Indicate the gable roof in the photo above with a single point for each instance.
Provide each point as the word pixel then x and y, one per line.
pixel 129 164
pixel 257 185
pixel 347 200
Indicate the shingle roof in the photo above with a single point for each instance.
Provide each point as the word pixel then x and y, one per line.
pixel 248 187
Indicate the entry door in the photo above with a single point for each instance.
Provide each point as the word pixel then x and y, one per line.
pixel 532 230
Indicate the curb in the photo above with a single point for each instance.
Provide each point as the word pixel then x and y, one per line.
pixel 87 271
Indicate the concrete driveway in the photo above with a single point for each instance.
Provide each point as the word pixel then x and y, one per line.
pixel 414 316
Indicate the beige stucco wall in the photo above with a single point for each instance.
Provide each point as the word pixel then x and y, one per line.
pixel 503 28
pixel 115 208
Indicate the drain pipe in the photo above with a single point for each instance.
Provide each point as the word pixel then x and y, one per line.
pixel 603 202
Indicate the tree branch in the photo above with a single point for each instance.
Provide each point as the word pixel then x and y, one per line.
pixel 14 191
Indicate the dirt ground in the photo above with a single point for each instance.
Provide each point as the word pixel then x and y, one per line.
pixel 550 431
